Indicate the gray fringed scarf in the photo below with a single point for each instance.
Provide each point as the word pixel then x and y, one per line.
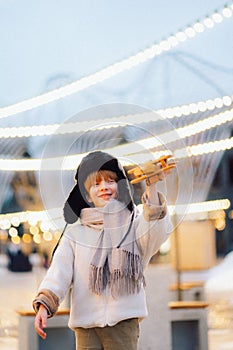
pixel 116 262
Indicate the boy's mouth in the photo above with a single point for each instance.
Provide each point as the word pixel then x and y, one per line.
pixel 105 196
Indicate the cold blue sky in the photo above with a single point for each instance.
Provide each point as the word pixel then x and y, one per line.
pixel 50 42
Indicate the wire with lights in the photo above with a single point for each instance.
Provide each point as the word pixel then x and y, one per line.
pixel 77 127
pixel 142 56
pixel 70 162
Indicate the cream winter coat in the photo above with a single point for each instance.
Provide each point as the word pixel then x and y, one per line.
pixel 70 271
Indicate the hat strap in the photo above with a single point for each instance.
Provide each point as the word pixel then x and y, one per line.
pixel 58 242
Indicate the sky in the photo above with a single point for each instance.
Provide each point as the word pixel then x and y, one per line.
pixel 48 43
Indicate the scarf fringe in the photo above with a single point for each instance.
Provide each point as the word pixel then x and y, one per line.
pixel 124 279
pixel 98 278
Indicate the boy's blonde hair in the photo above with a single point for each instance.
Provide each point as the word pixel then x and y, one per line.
pixel 98 176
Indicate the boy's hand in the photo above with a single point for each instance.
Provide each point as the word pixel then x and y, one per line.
pixel 153 171
pixel 41 321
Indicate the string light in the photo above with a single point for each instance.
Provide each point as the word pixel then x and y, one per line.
pixel 37 238
pixel 15 221
pixel 207 206
pixel 13 232
pixel 44 226
pixel 34 230
pixel 227 12
pixel 32 218
pixel 16 240
pixel 217 17
pixel 100 124
pixel 173 40
pixel 200 207
pixel 211 147
pixel 189 151
pixel 5 224
pixel 189 130
pixel 27 238
pixel 47 236
pixel 208 22
pixel 70 162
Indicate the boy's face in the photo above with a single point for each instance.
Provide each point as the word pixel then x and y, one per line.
pixel 101 188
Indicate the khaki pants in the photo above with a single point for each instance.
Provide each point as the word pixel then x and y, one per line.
pixel 124 335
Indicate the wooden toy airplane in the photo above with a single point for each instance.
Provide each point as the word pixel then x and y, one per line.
pixel 152 170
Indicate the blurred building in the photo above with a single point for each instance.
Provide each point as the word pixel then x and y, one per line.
pixel 222 187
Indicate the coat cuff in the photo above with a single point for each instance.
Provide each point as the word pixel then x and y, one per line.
pixel 48 299
pixel 154 212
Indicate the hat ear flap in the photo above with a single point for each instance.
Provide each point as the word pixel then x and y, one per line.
pixel 73 206
pixel 69 215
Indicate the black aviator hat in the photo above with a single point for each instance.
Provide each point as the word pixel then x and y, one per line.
pixel 94 162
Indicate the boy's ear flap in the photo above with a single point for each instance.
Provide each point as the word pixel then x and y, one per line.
pixel 74 204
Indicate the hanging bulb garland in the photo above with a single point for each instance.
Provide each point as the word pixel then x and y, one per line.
pixel 37 233
pixel 68 128
pixel 142 56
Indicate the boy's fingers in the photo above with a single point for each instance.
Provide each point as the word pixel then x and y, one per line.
pixel 40 323
pixel 44 321
pixel 41 333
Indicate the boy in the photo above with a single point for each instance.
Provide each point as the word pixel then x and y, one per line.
pixel 102 258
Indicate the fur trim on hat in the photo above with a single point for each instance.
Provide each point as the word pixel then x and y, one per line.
pixel 94 162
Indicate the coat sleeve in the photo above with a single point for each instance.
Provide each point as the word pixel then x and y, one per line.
pixel 48 299
pixel 153 227
pixel 58 278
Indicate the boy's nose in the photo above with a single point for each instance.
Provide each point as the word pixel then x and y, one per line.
pixel 103 185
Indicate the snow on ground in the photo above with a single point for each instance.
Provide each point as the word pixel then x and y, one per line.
pixel 219 285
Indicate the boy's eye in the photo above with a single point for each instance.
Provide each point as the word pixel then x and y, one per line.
pixel 109 181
